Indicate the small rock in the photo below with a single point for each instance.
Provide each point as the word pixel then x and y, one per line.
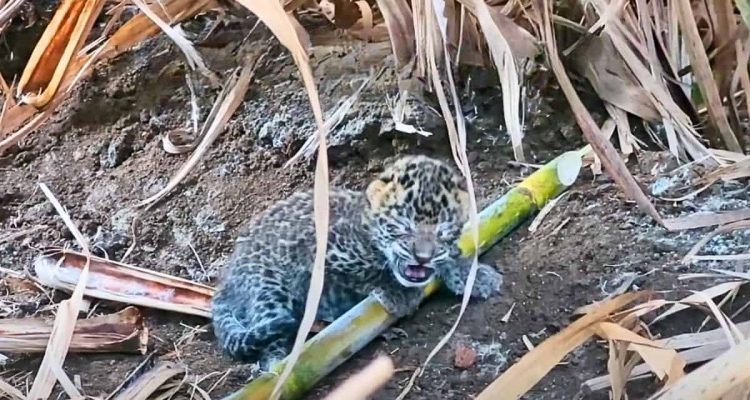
pixel 39 212
pixel 120 148
pixel 110 242
pixel 464 356
pixel 95 149
pixel 663 246
pixel 78 154
pixel 209 221
pixel 156 125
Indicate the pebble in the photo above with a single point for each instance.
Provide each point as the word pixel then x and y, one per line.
pixel 464 356
pixel 120 148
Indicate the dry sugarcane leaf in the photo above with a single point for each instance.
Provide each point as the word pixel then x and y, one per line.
pixel 122 332
pixel 684 303
pixel 600 63
pixel 124 283
pixel 398 21
pixel 724 26
pixel 192 56
pixel 507 71
pixel 533 366
pixel 664 362
pixel 452 13
pixel 521 42
pixel 332 121
pixel 346 13
pixel 42 117
pixel 741 76
pixel 616 367
pixel 715 378
pixel 63 327
pixel 226 104
pixel 689 257
pixel 691 356
pixel 130 34
pixel 698 339
pixel 366 28
pixel 739 169
pixel 38 72
pixel 13 393
pixel 628 142
pixel 67 385
pixel 606 152
pixel 704 219
pixel 366 382
pixel 10 236
pixel 469 46
pixel 704 76
pixel 702 346
pixel 672 116
pixel 51 58
pixel 9 101
pixel 148 383
pixel 728 156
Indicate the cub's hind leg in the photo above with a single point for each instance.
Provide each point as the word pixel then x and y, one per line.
pixel 253 318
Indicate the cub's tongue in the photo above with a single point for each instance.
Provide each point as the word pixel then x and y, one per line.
pixel 416 272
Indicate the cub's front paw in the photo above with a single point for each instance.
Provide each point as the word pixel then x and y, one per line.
pixel 488 282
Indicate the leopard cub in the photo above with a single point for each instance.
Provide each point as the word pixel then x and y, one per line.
pixel 389 241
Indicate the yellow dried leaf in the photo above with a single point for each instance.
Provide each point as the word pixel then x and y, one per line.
pixel 663 362
pixel 532 367
pixel 62 39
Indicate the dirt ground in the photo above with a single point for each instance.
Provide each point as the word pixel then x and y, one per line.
pixel 101 154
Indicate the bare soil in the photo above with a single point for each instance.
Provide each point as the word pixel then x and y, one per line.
pixel 101 154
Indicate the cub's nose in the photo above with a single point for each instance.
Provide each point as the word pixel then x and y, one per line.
pixel 422 259
pixel 424 250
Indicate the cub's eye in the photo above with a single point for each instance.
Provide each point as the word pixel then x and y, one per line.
pixel 396 231
pixel 448 234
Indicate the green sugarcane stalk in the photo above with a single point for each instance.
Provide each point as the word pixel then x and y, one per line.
pixel 367 320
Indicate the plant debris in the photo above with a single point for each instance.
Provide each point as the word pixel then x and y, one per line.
pixel 110 280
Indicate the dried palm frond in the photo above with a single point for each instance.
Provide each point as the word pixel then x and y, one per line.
pixel 123 283
pixel 120 332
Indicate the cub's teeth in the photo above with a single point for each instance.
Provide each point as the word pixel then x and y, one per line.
pixel 416 272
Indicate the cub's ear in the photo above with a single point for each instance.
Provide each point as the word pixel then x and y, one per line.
pixel 461 193
pixel 460 181
pixel 376 192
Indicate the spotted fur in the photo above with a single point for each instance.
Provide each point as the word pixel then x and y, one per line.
pixel 409 219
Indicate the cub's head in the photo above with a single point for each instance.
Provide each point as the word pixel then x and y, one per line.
pixel 418 207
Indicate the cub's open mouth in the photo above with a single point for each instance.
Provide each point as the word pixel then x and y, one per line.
pixel 418 273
